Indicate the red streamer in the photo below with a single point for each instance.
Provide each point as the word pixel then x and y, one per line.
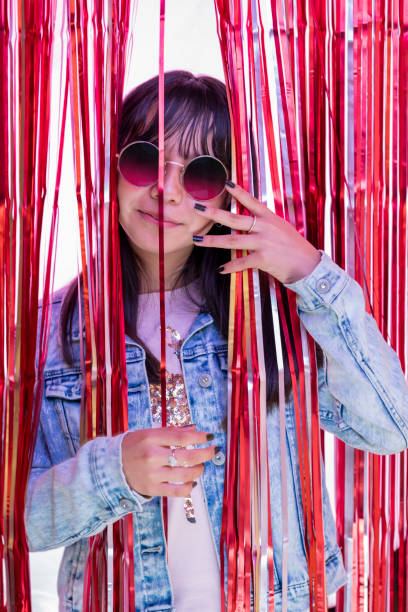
pixel 162 286
pixel 26 42
pixel 105 394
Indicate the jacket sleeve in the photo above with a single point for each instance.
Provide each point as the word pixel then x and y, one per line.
pixel 78 497
pixel 363 395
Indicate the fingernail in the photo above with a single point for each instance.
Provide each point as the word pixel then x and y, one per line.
pixel 195 483
pixel 217 450
pixel 220 269
pixel 230 184
pixel 191 519
pixel 200 207
pixel 189 425
pixel 198 238
pixel 210 437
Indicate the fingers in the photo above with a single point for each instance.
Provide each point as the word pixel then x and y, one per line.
pixel 178 481
pixel 175 490
pixel 194 456
pixel 153 447
pixel 240 263
pixel 243 242
pixel 158 456
pixel 145 459
pixel 179 474
pixel 245 198
pixel 241 223
pixel 178 436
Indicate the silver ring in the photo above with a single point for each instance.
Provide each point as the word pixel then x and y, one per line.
pixel 172 461
pixel 253 225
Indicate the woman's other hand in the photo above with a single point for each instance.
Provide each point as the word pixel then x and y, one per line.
pixel 145 460
pixel 274 245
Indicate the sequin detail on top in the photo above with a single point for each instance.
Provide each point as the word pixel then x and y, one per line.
pixel 178 410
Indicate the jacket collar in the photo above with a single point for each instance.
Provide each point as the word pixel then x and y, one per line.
pixel 202 320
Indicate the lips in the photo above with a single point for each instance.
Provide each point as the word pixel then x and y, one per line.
pixel 154 219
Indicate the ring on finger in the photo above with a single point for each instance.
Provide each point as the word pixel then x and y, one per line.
pixel 253 225
pixel 172 460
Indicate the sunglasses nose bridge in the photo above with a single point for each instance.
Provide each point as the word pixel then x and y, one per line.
pixel 178 171
pixel 173 181
pixel 174 163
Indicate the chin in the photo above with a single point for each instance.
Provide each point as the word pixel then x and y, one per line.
pixel 152 246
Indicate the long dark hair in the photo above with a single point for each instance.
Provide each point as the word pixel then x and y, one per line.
pixel 195 108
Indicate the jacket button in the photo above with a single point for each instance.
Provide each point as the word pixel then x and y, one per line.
pixel 125 504
pixel 323 285
pixel 219 458
pixel 204 380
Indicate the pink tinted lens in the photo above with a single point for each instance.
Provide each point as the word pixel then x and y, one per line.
pixel 138 164
pixel 204 178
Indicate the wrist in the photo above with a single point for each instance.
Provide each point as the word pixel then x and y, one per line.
pixel 307 268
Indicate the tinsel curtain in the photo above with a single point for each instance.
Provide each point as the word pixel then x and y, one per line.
pixel 322 89
pixel 98 34
pixel 26 184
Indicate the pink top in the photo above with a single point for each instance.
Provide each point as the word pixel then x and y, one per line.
pixel 192 559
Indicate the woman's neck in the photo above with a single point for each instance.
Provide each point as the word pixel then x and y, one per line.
pixel 150 275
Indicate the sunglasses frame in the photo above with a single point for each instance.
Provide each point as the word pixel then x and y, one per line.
pixel 119 155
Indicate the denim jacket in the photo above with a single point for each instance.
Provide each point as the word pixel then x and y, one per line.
pixel 74 492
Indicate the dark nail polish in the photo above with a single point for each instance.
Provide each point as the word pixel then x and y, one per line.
pixel 198 238
pixel 200 207
pixel 191 519
pixel 210 437
pixel 230 184
pixel 195 483
pixel 217 450
pixel 220 269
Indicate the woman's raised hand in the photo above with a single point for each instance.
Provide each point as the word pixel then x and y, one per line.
pixel 274 245
pixel 145 460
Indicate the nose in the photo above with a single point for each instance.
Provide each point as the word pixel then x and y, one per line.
pixel 172 187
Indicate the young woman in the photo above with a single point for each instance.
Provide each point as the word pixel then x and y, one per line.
pixel 74 491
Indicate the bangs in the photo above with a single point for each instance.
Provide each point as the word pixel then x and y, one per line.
pixel 191 127
pixel 196 117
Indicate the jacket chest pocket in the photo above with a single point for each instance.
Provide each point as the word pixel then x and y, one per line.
pixel 138 393
pixel 139 415
pixel 63 409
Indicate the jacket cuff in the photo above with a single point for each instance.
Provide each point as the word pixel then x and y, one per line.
pixel 322 286
pixel 110 479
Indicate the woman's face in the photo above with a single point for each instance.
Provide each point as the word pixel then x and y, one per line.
pixel 139 211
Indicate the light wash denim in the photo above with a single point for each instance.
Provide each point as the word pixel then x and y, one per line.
pixel 74 492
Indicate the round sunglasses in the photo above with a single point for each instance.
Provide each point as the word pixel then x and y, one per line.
pixel 203 177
